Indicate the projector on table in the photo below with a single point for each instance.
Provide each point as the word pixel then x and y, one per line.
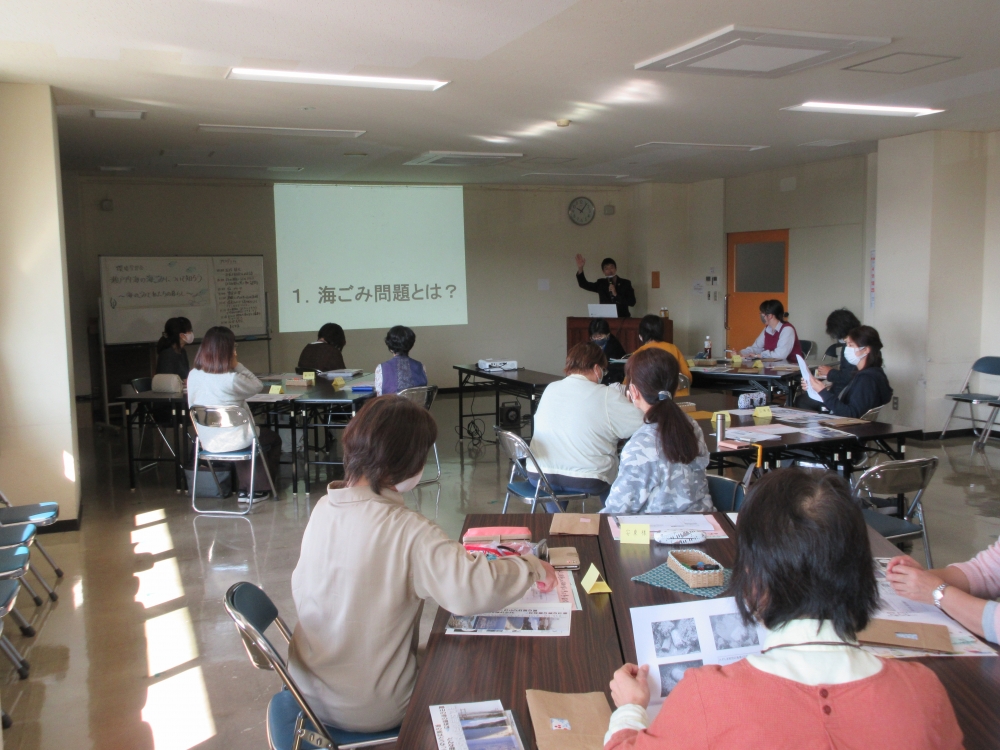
pixel 497 364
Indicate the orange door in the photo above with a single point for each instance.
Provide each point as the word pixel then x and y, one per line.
pixel 756 270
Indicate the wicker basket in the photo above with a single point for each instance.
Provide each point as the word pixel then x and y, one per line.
pixel 677 560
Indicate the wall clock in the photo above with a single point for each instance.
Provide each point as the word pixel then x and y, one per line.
pixel 581 211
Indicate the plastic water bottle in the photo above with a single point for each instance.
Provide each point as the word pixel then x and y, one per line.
pixel 708 347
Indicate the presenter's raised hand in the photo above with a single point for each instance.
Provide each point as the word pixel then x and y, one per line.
pixel 579 263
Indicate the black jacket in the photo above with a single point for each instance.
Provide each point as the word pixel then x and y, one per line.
pixel 613 349
pixel 170 361
pixel 624 299
pixel 840 377
pixel 866 390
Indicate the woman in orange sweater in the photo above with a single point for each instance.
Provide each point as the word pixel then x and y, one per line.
pixel 811 686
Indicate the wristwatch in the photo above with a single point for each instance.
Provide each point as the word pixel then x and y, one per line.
pixel 938 594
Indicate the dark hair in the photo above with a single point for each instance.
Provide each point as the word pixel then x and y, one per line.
pixel 333 334
pixel 583 357
pixel 654 374
pixel 599 326
pixel 172 331
pixel 773 307
pixel 400 339
pixel 651 328
pixel 215 355
pixel 867 336
pixel 387 442
pixel 841 322
pixel 609 262
pixel 802 551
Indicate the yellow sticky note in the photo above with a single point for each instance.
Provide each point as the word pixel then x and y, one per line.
pixel 309 377
pixel 592 582
pixel 276 389
pixel 737 360
pixel 764 412
pixel 692 363
pixel 339 382
pixel 635 533
pixel 729 417
pixel 758 364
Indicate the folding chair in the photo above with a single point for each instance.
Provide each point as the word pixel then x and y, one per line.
pixel 898 478
pixel 424 395
pixel 517 451
pixel 232 416
pixel 8 595
pixel 35 514
pixel 984 366
pixel 808 347
pixel 683 382
pixel 727 494
pixel 291 723
pixel 832 353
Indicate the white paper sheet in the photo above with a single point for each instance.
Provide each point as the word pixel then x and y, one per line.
pixel 537 620
pixel 672 638
pixel 806 375
pixel 733 517
pixel 679 522
pixel 796 416
pixel 826 433
pixel 272 397
pixel 565 592
pixel 749 435
pixel 483 724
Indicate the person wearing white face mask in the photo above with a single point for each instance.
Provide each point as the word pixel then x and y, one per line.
pixel 779 339
pixel 366 566
pixel 868 387
pixel 171 359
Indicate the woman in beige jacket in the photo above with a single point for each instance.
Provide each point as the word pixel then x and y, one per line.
pixel 367 564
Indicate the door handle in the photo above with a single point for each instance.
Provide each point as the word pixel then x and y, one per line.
pixel 725 314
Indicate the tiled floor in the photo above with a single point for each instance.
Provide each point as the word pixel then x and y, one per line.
pixel 138 652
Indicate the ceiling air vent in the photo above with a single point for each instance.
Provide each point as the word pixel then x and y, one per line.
pixel 760 53
pixel 460 159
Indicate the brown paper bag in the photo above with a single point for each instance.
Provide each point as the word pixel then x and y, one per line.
pixel 899 634
pixel 577 524
pixel 587 715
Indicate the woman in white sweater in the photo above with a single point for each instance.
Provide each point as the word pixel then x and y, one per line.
pixel 367 564
pixel 218 379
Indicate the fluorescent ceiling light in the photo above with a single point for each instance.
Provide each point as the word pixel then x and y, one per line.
pixel 575 174
pixel 264 130
pixel 825 143
pixel 460 159
pixel 116 169
pixel 241 166
pixel 335 79
pixel 118 114
pixel 705 146
pixel 863 109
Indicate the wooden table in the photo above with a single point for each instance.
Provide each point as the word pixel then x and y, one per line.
pixel 467 668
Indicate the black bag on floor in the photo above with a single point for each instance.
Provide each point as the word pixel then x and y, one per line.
pixel 206 484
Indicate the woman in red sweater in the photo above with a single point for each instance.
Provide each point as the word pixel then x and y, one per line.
pixel 803 569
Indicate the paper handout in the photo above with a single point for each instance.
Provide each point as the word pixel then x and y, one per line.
pixel 593 583
pixel 461 726
pixel 807 379
pixel 569 721
pixel 704 522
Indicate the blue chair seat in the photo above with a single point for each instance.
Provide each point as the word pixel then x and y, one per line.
pixel 12 560
pixel 40 514
pixel 526 489
pixel 13 536
pixel 282 713
pixel 971 397
pixel 244 454
pixel 891 526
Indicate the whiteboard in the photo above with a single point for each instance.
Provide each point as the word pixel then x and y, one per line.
pixel 139 294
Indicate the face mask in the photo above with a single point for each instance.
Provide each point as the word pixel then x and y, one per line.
pixel 609 277
pixel 853 356
pixel 410 483
pixel 188 338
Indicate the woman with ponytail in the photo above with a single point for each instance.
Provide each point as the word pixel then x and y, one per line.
pixel 663 464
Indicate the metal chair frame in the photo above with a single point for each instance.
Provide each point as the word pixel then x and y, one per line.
pixel 683 382
pixel 20 663
pixel 141 385
pixel 263 656
pixel 983 366
pixel 424 395
pixel 517 450
pixel 226 416
pixel 5 503
pixel 900 478
pixel 808 348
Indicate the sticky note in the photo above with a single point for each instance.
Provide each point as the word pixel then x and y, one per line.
pixel 737 360
pixel 763 412
pixel 758 364
pixel 635 533
pixel 729 417
pixel 339 382
pixel 309 376
pixel 592 582
pixel 276 389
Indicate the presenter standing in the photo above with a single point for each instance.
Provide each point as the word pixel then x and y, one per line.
pixel 611 290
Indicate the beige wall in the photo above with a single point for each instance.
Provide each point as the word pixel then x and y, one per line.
pixel 990 320
pixel 38 441
pixel 514 237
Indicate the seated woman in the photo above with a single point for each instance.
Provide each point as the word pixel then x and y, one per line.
pixel 779 339
pixel 651 337
pixel 803 570
pixel 964 591
pixel 839 324
pixel 868 387
pixel 663 464
pixel 578 425
pixel 600 334
pixel 325 353
pixel 400 372
pixel 367 564
pixel 171 359
pixel 218 379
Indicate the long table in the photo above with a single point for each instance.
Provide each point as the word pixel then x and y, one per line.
pixel 763 380
pixel 460 669
pixel 526 383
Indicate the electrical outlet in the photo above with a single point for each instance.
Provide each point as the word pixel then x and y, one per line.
pixel 895 403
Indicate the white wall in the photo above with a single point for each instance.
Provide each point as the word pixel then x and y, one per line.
pixel 38 442
pixel 989 338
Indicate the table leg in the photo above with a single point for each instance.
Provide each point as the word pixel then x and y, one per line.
pixel 305 450
pixel 496 419
pixel 179 458
pixel 295 454
pixel 461 403
pixel 129 420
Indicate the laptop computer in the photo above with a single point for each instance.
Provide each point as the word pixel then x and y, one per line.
pixel 602 311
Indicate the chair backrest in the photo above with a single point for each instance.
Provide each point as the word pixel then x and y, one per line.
pixel 233 415
pixel 723 492
pixel 833 351
pixel 142 385
pixel 872 414
pixel 739 497
pixel 897 477
pixel 807 346
pixel 250 607
pixel 422 395
pixel 683 381
pixel 987 366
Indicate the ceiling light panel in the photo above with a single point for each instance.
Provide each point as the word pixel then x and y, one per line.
pixel 701 146
pixel 863 109
pixel 116 169
pixel 335 79
pixel 759 53
pixel 238 166
pixel 825 143
pixel 460 159
pixel 577 175
pixel 295 132
pixel 899 63
pixel 118 114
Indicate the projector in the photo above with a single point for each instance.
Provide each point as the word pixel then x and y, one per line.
pixel 497 364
